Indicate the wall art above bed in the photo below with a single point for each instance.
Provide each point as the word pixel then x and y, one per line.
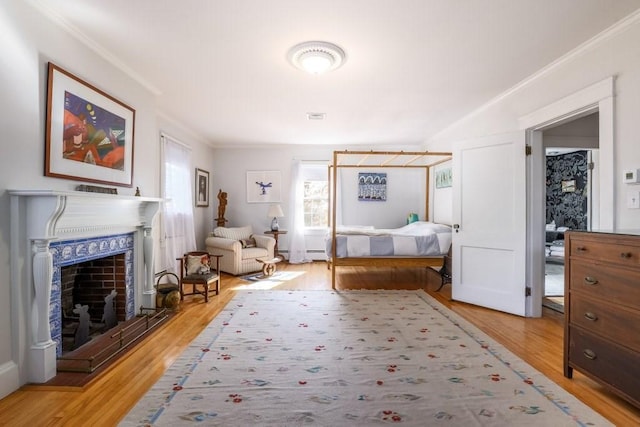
pixel 372 187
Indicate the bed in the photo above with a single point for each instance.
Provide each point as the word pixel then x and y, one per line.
pixel 418 244
pixel 418 239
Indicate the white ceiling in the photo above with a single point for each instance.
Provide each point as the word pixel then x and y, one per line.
pixel 413 67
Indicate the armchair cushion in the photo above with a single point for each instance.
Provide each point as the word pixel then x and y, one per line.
pixel 235 233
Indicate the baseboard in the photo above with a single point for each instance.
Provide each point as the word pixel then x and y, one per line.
pixel 313 254
pixel 9 378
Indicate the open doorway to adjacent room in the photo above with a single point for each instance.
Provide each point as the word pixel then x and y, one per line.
pixel 571 153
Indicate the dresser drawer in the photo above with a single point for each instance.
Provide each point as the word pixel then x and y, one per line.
pixel 614 366
pixel 615 323
pixel 613 284
pixel 609 252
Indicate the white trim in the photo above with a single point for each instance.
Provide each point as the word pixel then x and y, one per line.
pixel 598 97
pixel 9 378
pixel 174 140
pixel 584 101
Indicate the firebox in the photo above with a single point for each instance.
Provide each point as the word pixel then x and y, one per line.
pixel 86 271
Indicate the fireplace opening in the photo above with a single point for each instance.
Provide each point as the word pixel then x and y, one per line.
pixel 93 299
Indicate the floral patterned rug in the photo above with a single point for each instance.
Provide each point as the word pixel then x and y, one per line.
pixel 351 358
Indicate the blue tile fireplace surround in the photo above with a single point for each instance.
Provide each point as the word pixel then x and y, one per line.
pixel 77 251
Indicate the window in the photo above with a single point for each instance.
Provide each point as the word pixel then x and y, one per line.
pixel 316 195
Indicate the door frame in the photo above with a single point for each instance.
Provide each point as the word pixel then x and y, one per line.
pixel 598 97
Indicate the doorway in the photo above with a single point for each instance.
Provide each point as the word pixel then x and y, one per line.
pixel 597 98
pixel 569 150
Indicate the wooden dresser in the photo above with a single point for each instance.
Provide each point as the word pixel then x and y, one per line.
pixel 602 310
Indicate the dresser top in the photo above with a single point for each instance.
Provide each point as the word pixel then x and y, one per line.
pixel 622 232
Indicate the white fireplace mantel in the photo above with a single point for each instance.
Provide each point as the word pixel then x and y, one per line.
pixel 39 217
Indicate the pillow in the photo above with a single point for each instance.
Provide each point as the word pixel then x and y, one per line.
pixel 235 233
pixel 412 217
pixel 197 264
pixel 248 243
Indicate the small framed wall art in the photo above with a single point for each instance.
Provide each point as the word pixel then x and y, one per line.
pixel 263 186
pixel 202 188
pixel 372 187
pixel 443 177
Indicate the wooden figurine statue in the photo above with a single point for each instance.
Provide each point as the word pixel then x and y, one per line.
pixel 222 199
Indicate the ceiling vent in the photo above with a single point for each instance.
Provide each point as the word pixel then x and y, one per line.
pixel 315 116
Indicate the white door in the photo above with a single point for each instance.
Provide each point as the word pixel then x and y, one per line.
pixel 489 216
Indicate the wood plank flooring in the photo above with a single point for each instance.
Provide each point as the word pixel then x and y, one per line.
pixel 108 398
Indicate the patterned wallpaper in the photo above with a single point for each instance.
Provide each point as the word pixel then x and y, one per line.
pixel 568 205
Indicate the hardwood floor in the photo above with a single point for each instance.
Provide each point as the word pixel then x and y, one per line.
pixel 108 398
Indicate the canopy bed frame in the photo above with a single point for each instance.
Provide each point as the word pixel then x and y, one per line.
pixel 374 160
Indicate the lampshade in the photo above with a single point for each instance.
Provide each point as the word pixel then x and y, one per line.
pixel 316 57
pixel 275 211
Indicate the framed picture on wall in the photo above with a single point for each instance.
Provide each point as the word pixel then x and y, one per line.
pixel 569 186
pixel 443 178
pixel 89 134
pixel 372 187
pixel 263 186
pixel 202 188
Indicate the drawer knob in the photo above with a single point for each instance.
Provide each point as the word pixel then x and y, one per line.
pixel 590 280
pixel 589 354
pixel 591 316
pixel 625 255
pixel 581 249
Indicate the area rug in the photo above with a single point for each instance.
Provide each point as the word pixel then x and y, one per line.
pixel 351 358
pixel 261 281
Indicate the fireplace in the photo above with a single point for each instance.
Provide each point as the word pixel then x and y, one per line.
pixel 51 229
pixel 85 271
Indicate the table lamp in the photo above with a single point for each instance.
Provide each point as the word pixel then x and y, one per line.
pixel 275 211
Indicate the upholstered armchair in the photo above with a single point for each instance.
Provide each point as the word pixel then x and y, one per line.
pixel 240 249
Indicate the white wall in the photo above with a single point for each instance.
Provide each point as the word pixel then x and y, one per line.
pixel 617 55
pixel 229 174
pixel 28 41
pixel 441 202
pixel 405 194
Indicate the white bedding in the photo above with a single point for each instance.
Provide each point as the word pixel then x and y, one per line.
pixel 419 238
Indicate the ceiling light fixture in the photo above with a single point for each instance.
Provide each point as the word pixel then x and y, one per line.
pixel 316 57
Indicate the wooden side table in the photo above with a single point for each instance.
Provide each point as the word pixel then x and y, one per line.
pixel 275 236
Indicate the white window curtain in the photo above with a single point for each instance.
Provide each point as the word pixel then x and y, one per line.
pixel 177 215
pixel 297 246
